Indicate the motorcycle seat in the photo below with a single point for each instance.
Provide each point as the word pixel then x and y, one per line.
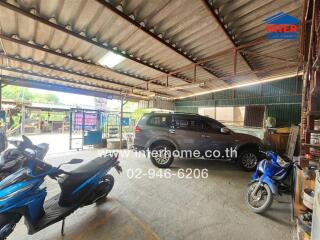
pixel 69 183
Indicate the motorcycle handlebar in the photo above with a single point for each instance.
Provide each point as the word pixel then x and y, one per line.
pixel 296 163
pixel 58 173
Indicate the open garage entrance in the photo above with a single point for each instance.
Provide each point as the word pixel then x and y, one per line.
pixel 66 124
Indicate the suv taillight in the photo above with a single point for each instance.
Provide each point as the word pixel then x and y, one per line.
pixel 137 129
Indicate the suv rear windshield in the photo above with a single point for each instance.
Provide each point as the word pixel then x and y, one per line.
pixel 159 121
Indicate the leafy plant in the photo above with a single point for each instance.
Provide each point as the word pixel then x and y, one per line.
pixel 20 93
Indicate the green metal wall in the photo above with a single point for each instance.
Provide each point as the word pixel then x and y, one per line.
pixel 283 99
pixel 285 114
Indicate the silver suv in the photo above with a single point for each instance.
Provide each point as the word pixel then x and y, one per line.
pixel 166 136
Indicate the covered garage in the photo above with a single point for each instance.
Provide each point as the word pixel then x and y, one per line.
pixel 226 71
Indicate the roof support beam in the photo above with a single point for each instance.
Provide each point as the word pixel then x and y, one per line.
pixel 60 54
pixel 268 56
pixel 93 41
pixel 58 78
pixel 18 81
pixel 221 24
pixel 269 70
pixel 104 80
pixel 67 57
pixel 182 53
pixel 210 58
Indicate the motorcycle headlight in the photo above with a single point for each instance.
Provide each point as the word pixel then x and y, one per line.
pixel 282 162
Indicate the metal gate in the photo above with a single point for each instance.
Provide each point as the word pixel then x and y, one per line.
pixel 85 128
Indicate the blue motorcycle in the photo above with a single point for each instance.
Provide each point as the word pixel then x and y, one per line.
pixel 21 193
pixel 273 176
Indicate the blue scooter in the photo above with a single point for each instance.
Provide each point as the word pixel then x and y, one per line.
pixel 21 193
pixel 273 176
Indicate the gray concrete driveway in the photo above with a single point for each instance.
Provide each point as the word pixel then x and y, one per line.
pixel 158 208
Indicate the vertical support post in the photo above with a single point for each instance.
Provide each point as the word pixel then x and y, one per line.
pixel 70 129
pixel 23 118
pixel 235 61
pixel 215 109
pixel 107 128
pixel 121 117
pixel 83 126
pixel 264 116
pixel 195 73
pixel 167 84
pixel 0 95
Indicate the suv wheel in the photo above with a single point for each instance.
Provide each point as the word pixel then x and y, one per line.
pixel 248 160
pixel 163 158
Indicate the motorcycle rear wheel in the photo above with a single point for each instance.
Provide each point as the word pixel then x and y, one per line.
pixel 264 193
pixel 103 193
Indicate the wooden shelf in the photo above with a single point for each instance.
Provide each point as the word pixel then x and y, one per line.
pixel 314 113
pixel 313 131
pixel 311 145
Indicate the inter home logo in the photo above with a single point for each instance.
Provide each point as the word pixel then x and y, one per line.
pixel 282 26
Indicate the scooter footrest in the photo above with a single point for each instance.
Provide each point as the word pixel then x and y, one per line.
pixel 53 213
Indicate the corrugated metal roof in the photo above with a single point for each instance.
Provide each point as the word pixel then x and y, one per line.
pixel 66 38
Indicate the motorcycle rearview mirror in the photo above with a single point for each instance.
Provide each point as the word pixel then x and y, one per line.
pixel 75 161
pixel 26 141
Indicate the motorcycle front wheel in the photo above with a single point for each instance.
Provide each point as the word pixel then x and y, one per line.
pixel 7 223
pixel 261 200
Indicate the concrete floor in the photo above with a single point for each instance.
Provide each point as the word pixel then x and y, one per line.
pixel 174 208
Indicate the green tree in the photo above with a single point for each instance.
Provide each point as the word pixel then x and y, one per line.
pixel 136 115
pixel 20 93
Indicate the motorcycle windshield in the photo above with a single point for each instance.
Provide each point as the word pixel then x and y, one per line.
pixel 19 176
pixel 271 168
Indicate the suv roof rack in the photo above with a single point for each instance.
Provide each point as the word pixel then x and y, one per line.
pixel 186 113
pixel 168 111
pixel 173 112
